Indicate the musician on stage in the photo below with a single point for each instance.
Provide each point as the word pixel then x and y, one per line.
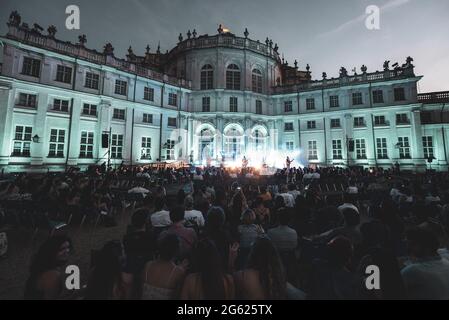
pixel 288 162
pixel 244 162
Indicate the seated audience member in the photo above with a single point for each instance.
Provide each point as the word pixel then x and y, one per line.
pixel 427 277
pixel 264 276
pixel 138 242
pixel 265 194
pixel 350 229
pixel 107 280
pixel 293 190
pixel 139 189
pixel 162 279
pixel 284 238
pixel 191 215
pixel 161 217
pixel 248 234
pixel 331 279
pixel 46 280
pixel 348 203
pixel 261 211
pixel 289 200
pixel 210 280
pixel 187 236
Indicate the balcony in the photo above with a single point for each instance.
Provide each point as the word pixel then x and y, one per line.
pixel 434 97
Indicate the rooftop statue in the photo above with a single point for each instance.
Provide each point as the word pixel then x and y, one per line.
pixel 387 65
pixel 14 19
pixel 82 39
pixel 343 72
pixel 108 49
pixel 52 31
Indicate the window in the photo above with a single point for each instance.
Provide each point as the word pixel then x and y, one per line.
pixel 402 118
pixel 259 139
pixel 89 109
pixel 27 100
pixel 118 114
pixel 170 155
pixel 57 140
pixel 148 94
pixel 337 152
pixel 233 106
pixel 145 151
pixel 310 104
pixel 357 99
pixel 360 149
pixel 61 105
pixel 22 142
pixel 290 145
pixel 399 94
pixel 206 104
pixel 404 148
pixel 233 143
pixel 31 67
pixel 288 126
pixel 334 103
pixel 258 106
pixel 427 142
pixel 171 122
pixel 257 81
pixel 147 118
pixel 335 123
pixel 382 151
pixel 378 96
pixel 172 99
pixel 233 77
pixel 92 80
pixel 312 150
pixel 117 146
pixel 87 145
pixel 311 125
pixel 64 74
pixel 359 122
pixel 207 77
pixel 288 106
pixel 380 121
pixel 121 87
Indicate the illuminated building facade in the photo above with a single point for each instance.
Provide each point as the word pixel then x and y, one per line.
pixel 209 99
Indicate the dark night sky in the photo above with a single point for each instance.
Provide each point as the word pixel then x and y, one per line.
pixel 327 34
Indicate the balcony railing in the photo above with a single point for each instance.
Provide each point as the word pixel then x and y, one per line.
pixel 434 97
pixel 27 36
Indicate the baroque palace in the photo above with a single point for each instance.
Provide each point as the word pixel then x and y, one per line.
pixel 211 98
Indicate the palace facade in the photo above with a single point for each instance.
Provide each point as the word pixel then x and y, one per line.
pixel 212 97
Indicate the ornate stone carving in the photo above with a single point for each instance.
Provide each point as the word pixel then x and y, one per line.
pixel 52 31
pixel 14 19
pixel 108 49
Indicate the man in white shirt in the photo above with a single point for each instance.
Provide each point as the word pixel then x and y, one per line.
pixel 293 191
pixel 139 189
pixel 160 218
pixel 289 200
pixel 192 215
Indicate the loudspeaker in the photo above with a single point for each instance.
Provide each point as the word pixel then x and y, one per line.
pixel 351 145
pixel 105 140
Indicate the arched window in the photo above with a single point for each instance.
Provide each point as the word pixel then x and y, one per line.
pixel 233 77
pixel 207 77
pixel 257 81
pixel 259 139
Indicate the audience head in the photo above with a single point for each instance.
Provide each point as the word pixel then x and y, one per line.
pixel 422 243
pixel 177 214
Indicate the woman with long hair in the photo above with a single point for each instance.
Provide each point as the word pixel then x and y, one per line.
pixel 107 280
pixel 46 272
pixel 264 277
pixel 210 281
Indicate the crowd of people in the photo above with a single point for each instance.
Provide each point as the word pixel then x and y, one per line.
pixel 214 233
